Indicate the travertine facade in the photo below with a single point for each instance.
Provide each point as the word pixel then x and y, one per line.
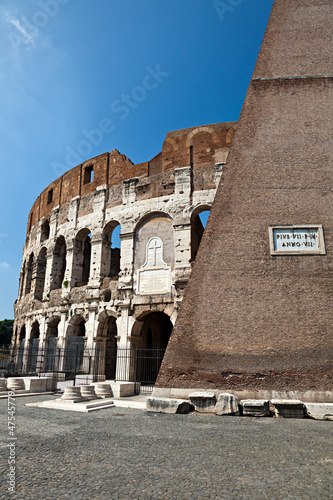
pixel 74 285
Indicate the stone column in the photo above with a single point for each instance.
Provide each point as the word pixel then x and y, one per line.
pixel 182 250
pixel 48 271
pixel 126 261
pixel 125 358
pixel 26 344
pixel 60 354
pixel 73 271
pixel 97 266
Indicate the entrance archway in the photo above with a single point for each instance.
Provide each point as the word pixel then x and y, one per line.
pixel 107 354
pixel 154 337
pixel 75 342
pixel 51 344
pixel 33 348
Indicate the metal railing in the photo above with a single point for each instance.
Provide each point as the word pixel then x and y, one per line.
pixel 81 365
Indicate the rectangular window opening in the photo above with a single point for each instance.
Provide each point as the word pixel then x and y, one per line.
pixel 88 175
pixel 50 196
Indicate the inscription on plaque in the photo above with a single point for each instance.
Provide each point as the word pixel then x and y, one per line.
pixel 154 280
pixel 291 240
pixel 155 275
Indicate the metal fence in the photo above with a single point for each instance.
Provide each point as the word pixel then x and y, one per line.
pixel 77 365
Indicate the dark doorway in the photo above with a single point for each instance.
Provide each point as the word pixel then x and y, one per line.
pixel 155 334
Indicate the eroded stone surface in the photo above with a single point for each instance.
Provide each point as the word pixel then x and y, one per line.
pixel 168 405
pixel 255 408
pixel 288 408
pixel 227 404
pixel 204 402
pixel 319 411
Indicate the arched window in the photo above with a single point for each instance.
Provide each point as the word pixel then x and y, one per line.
pixel 82 258
pixel 111 250
pixel 198 223
pixel 45 233
pixel 75 344
pixel 33 348
pixel 29 271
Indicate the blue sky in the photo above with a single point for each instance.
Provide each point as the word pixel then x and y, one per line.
pixel 67 67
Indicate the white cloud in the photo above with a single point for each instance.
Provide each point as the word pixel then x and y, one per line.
pixel 24 34
pixel 4 265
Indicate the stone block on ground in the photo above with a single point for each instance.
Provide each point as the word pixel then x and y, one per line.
pixel 204 402
pixel 256 408
pixel 36 384
pixel 168 405
pixel 319 411
pixel 227 404
pixel 288 408
pixel 123 389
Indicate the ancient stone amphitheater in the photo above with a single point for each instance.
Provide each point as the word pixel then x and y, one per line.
pixel 77 290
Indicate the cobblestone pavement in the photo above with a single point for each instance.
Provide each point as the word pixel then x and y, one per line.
pixel 130 454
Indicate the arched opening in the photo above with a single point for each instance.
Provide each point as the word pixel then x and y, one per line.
pixel 29 271
pixel 111 250
pixel 198 223
pixel 33 348
pixel 109 332
pixel 41 274
pixel 82 258
pixel 51 344
pixel 59 263
pixel 45 232
pixel 76 333
pixel 154 337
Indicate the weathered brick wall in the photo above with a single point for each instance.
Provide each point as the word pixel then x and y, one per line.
pixel 250 320
pixel 155 176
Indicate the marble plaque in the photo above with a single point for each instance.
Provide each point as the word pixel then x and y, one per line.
pixel 296 240
pixel 154 280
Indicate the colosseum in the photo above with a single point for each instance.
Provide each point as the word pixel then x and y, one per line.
pixel 81 294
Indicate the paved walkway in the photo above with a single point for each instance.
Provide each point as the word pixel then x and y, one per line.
pixel 129 454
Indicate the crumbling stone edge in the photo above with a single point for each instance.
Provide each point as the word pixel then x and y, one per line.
pixel 227 404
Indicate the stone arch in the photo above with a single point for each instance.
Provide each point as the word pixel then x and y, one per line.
pixel 111 252
pixel 22 336
pixel 33 347
pixel 202 144
pixel 41 274
pixel 29 272
pixel 82 257
pixel 198 130
pixel 107 333
pixel 75 343
pixel 153 329
pixel 45 231
pixel 152 225
pixel 76 326
pixel 51 342
pixel 58 263
pixel 197 228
